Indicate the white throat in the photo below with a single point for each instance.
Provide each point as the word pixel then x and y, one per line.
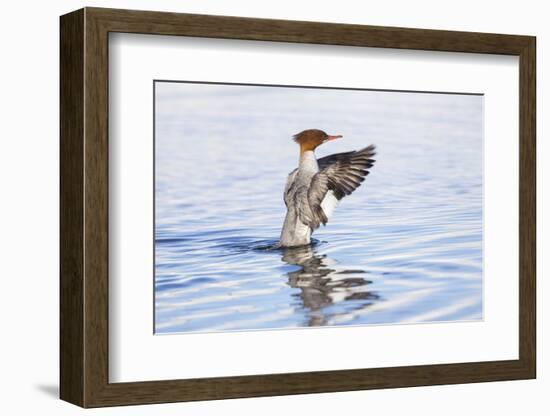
pixel 308 161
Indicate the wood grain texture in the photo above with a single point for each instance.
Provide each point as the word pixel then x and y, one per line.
pixel 527 207
pixel 162 23
pixel 84 207
pixel 71 158
pixel 96 208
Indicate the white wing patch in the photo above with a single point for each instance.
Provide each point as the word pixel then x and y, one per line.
pixel 329 204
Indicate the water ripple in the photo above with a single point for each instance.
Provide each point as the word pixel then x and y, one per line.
pixel 406 247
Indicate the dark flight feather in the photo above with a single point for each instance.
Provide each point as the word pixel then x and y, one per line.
pixel 341 173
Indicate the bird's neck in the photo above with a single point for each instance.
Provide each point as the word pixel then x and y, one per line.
pixel 308 161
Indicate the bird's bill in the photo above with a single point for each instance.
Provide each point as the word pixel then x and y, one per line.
pixel 338 136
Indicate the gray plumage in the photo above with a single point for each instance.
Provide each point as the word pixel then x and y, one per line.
pixel 313 190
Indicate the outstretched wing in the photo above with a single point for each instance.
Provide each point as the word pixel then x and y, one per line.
pixel 339 175
pixel 326 161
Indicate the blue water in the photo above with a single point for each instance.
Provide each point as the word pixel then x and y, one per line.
pixel 406 247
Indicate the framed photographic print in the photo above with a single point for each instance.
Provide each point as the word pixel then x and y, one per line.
pixel 255 207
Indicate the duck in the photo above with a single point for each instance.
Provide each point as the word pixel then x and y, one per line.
pixel 314 189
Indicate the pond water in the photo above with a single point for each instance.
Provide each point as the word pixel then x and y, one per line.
pixel 406 247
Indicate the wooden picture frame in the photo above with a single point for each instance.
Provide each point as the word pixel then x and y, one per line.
pixel 84 207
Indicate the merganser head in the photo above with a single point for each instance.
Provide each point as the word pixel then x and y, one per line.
pixel 310 139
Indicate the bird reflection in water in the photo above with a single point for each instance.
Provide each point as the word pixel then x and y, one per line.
pixel 321 286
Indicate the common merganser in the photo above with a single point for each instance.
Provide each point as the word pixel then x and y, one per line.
pixel 315 187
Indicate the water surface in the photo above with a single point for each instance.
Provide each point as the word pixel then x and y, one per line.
pixel 406 247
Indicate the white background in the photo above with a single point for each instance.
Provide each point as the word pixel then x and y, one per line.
pixel 29 220
pixel 136 355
